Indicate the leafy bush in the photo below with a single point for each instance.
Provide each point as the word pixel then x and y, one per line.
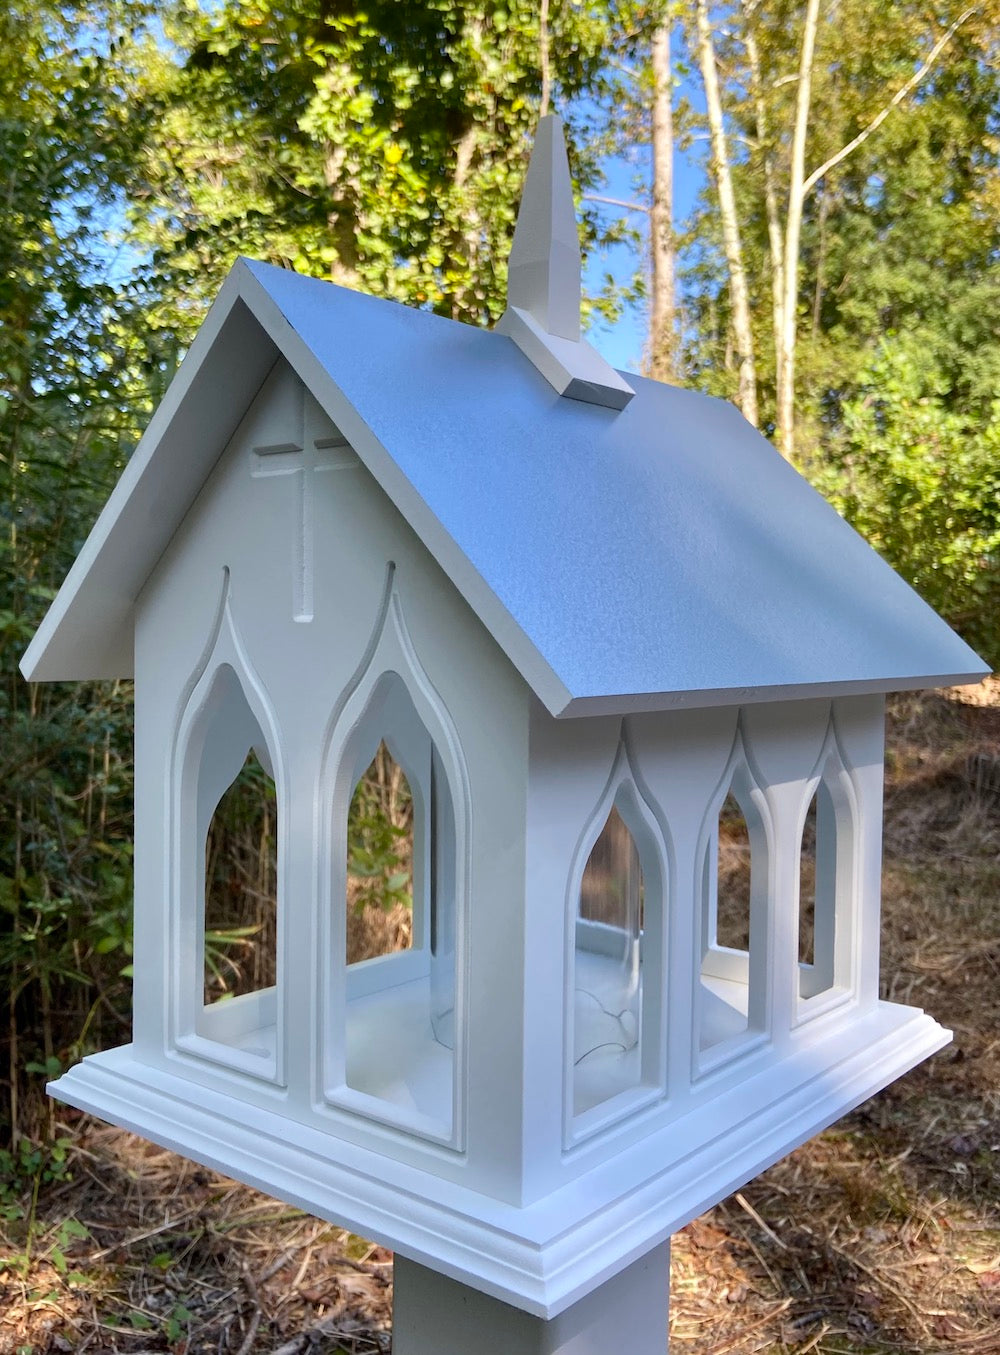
pixel 922 483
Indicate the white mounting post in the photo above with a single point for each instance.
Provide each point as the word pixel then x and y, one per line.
pixel 433 1315
pixel 543 286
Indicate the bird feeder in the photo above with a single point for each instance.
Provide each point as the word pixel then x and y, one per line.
pixel 597 621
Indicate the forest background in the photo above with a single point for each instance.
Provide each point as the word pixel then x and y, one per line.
pixel 838 277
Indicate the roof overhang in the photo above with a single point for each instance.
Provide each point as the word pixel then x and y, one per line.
pixel 431 407
pixel 88 631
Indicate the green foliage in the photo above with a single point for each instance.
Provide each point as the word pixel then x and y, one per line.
pixel 921 482
pixel 75 378
pixel 380 837
pixel 382 145
pixel 24 1168
pixel 24 1171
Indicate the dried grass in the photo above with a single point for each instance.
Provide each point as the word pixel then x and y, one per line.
pixel 881 1235
pixel 177 1258
pixel 373 930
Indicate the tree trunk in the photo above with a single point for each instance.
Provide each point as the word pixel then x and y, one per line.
pixel 738 291
pixel 785 251
pixel 662 300
pixel 543 58
pixel 465 239
pixel 341 224
pixel 793 232
pixel 774 235
pixel 341 218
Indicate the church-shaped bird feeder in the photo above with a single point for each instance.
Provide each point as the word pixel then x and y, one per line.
pixel 606 633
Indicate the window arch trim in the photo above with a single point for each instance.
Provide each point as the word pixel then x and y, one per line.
pixel 842 882
pixel 753 966
pixel 390 654
pixel 192 802
pixel 624 792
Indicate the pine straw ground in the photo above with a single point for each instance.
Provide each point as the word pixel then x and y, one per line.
pixel 882 1235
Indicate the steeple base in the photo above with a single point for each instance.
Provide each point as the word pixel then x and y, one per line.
pixel 571 366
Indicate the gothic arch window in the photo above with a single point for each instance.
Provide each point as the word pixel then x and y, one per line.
pixel 731 990
pixel 827 885
pixel 393 1029
pixel 617 922
pixel 227 806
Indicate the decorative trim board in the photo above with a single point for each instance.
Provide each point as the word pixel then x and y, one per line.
pixel 545 1256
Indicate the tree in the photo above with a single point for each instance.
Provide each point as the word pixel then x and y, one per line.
pixel 662 249
pixel 804 100
pixel 922 483
pixel 380 145
pixel 634 111
pixel 74 379
pixel 722 174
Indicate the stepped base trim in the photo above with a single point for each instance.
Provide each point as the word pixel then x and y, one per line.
pixel 540 1258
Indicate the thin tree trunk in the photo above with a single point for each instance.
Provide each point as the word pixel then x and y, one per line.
pixel 774 235
pixel 342 188
pixel 738 291
pixel 793 232
pixel 466 226
pixel 543 58
pixel 662 333
pixel 341 225
pixel 821 251
pixel 801 185
pixel 907 88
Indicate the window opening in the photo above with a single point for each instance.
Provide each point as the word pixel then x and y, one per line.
pixel 400 912
pixel 732 907
pixel 241 865
pixel 236 981
pixel 608 968
pixel 380 861
pixel 807 895
pixel 818 894
pixel 729 1006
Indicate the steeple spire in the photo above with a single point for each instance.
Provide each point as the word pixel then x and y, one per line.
pixel 543 276
pixel 543 287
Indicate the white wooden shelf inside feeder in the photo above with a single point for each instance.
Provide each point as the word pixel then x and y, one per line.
pixel 391 1053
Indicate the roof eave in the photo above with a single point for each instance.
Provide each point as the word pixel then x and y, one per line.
pixel 639 702
pixel 88 630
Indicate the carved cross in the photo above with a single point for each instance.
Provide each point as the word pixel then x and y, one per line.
pixel 304 463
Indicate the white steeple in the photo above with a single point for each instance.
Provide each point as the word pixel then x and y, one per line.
pixel 543 275
pixel 543 287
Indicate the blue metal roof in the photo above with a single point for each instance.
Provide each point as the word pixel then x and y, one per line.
pixel 660 555
pixel 665 548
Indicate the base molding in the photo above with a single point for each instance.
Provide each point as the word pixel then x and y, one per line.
pixel 541 1258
